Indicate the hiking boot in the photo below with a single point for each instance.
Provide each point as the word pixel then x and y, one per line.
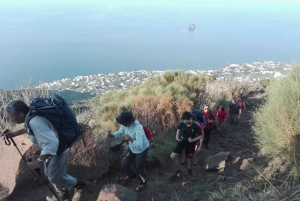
pixel 79 188
pixel 177 174
pixel 183 159
pixel 195 161
pixel 62 196
pixel 141 187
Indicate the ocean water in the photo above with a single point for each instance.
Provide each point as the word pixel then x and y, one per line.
pixel 50 40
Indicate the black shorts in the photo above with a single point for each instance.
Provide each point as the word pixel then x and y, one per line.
pixel 187 146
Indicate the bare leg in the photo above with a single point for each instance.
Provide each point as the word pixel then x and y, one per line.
pixel 174 158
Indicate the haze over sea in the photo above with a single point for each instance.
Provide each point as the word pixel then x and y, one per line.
pixel 49 40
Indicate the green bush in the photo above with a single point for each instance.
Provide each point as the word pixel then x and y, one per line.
pixel 277 123
pixel 158 102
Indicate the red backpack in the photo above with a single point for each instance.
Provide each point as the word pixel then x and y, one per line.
pixel 148 133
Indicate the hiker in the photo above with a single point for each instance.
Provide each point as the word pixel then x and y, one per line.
pixel 241 104
pixel 210 120
pixel 199 144
pixel 137 149
pixel 187 138
pixel 234 112
pixel 45 138
pixel 221 114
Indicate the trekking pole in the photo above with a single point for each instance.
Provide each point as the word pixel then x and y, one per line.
pixel 122 157
pixel 38 171
pixel 109 132
pixel 8 141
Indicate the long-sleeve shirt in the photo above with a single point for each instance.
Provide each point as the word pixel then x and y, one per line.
pixel 136 131
pixel 44 136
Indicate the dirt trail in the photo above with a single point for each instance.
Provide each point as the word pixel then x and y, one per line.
pixel 240 143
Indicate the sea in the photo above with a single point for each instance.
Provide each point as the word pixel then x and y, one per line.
pixel 43 41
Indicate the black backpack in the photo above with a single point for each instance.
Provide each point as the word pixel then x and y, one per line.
pixel 183 128
pixel 57 111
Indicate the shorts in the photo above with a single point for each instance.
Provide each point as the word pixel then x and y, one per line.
pixel 187 146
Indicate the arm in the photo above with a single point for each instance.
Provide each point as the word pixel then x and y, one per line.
pixel 15 133
pixel 120 132
pixel 177 137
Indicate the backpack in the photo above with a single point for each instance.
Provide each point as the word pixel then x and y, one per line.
pixel 199 115
pixel 148 132
pixel 183 127
pixel 57 111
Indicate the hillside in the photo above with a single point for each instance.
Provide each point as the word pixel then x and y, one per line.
pixel 101 83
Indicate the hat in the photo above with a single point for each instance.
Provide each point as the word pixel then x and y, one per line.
pixel 125 118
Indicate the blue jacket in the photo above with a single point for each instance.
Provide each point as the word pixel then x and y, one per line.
pixel 136 131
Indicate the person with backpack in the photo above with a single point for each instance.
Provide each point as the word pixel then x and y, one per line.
pixel 186 136
pixel 137 149
pixel 210 120
pixel 221 114
pixel 199 144
pixel 234 112
pixel 44 137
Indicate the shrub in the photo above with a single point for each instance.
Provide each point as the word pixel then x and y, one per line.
pixel 157 103
pixel 277 123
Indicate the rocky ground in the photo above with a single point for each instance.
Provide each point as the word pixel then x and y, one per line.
pixel 239 142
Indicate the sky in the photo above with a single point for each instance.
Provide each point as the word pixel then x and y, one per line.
pixel 53 39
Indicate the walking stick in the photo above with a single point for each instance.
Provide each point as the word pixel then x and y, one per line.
pixel 38 171
pixel 8 141
pixel 109 132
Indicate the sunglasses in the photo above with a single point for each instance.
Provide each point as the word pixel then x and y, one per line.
pixel 205 108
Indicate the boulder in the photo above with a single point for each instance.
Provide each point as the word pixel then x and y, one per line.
pixel 117 193
pixel 216 161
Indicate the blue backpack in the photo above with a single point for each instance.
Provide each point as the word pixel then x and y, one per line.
pixel 57 111
pixel 199 115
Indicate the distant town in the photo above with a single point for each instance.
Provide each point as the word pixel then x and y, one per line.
pixel 101 83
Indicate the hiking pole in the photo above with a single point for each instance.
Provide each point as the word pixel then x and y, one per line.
pixel 122 158
pixel 109 132
pixel 8 141
pixel 38 171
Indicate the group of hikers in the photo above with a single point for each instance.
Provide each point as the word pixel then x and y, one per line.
pixel 193 132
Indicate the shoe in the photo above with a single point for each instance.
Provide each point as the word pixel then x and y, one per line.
pixel 195 161
pixel 183 159
pixel 177 174
pixel 62 196
pixel 79 188
pixel 141 187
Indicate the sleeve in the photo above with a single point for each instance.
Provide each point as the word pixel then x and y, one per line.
pixel 198 129
pixel 201 126
pixel 137 144
pixel 45 135
pixel 204 120
pixel 120 132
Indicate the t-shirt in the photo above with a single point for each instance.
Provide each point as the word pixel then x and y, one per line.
pixel 221 115
pixel 192 131
pixel 241 104
pixel 211 116
pixel 234 108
